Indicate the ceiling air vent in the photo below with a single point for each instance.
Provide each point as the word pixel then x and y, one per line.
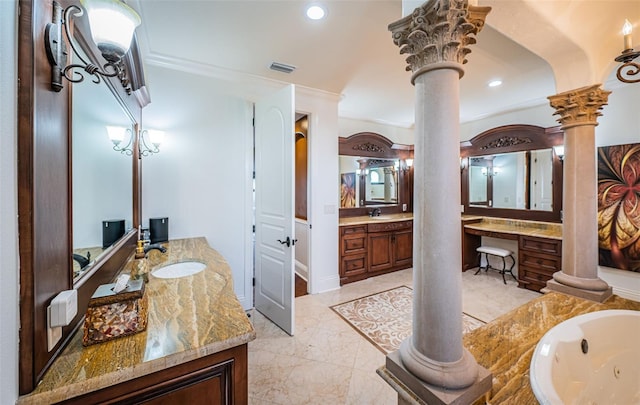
pixel 282 67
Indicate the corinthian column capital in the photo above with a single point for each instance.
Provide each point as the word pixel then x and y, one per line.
pixel 437 34
pixel 580 106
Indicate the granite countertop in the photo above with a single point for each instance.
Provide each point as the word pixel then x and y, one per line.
pixel 365 219
pixel 188 318
pixel 549 230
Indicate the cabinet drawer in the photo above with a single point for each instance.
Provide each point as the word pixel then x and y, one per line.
pixel 550 246
pixel 353 265
pixel 390 226
pixel 542 262
pixel 353 244
pixel 351 230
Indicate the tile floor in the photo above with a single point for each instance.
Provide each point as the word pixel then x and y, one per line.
pixel 328 362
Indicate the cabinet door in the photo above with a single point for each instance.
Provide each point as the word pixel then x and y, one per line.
pixel 403 248
pixel 380 247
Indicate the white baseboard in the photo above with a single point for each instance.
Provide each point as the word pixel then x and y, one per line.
pixel 326 284
pixel 627 293
pixel 302 270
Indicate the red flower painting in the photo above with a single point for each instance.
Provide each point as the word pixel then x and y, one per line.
pixel 619 206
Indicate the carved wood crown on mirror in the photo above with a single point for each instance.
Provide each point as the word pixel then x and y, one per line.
pixel 374 152
pixel 45 189
pixel 524 143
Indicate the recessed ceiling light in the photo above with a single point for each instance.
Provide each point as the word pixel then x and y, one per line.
pixel 315 12
pixel 494 83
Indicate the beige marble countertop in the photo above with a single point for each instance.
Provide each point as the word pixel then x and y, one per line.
pixel 549 230
pixel 365 219
pixel 189 318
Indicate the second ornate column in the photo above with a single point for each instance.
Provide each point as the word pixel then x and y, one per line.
pixel 433 361
pixel 578 111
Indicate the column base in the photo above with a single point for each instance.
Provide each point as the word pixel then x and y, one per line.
pixel 597 296
pixel 412 390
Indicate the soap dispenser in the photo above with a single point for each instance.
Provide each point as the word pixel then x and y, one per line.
pixel 140 268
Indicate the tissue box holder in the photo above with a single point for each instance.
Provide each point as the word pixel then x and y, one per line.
pixel 110 315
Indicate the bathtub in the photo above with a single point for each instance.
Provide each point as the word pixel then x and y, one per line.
pixel 592 359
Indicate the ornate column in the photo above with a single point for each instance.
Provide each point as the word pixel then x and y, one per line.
pixel 579 111
pixel 433 362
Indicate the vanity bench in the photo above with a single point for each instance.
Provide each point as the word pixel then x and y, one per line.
pixel 194 349
pixel 539 246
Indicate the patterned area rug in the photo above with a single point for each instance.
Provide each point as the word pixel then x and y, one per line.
pixel 385 318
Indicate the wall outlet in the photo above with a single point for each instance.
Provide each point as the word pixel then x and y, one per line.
pixel 53 334
pixel 404 207
pixel 461 207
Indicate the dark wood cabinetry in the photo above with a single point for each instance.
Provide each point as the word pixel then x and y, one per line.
pixel 353 251
pixel 376 248
pixel 538 259
pixel 220 378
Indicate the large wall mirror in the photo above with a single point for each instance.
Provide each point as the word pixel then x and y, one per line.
pixel 513 171
pixel 374 173
pixel 102 179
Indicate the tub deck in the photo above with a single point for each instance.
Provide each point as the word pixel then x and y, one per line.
pixel 505 345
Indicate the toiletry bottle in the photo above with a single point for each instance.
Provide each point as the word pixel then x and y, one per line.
pixel 140 265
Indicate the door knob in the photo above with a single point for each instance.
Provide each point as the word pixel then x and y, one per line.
pixel 286 242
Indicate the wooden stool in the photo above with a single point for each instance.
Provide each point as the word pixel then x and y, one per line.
pixel 494 251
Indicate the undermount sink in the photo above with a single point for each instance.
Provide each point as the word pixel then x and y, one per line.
pixel 178 270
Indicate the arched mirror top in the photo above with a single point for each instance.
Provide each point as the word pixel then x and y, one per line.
pixel 374 172
pixel 513 171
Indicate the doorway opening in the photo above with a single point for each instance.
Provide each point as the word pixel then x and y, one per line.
pixel 301 207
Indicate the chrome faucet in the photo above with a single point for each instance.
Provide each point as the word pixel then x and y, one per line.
pixel 375 212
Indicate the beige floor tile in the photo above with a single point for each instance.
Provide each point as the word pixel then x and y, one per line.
pixel 329 362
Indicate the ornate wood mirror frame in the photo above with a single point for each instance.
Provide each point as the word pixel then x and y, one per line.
pixel 514 138
pixel 373 145
pixel 45 192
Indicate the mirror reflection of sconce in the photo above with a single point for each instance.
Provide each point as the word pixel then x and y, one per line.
pixel 463 164
pixel 559 151
pixel 117 135
pixel 112 25
pixel 494 171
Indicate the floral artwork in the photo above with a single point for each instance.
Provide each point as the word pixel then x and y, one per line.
pixel 619 206
pixel 347 190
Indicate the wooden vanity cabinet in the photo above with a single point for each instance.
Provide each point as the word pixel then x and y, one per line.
pixel 353 251
pixel 376 248
pixel 538 259
pixel 220 378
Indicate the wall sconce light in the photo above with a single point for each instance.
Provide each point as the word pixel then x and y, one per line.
pixel 463 163
pixel 117 135
pixel 407 165
pixel 559 151
pixel 627 56
pixel 112 25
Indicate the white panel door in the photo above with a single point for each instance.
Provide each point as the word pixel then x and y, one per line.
pixel 275 239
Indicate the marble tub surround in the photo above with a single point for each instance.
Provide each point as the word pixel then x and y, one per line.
pixel 505 345
pixel 549 230
pixel 188 318
pixel 365 219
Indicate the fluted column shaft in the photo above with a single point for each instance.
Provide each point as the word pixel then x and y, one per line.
pixel 436 36
pixel 578 111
